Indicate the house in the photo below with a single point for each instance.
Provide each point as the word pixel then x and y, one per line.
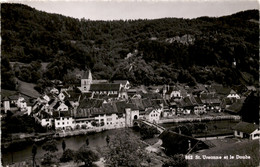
pixel 125 84
pixel 235 107
pixel 6 104
pixel 186 105
pixel 60 106
pixel 64 123
pixel 211 101
pixel 233 94
pixel 170 92
pixel 200 108
pixel 133 92
pixel 105 89
pixel 62 96
pixel 175 143
pixel 152 115
pixel 54 91
pixel 246 130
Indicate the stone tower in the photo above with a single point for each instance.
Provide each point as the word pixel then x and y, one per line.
pixel 86 81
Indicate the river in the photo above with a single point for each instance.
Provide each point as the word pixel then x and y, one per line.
pixel 73 143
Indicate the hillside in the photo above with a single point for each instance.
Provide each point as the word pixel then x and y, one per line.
pixel 156 51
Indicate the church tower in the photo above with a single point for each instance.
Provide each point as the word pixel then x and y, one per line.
pixel 86 81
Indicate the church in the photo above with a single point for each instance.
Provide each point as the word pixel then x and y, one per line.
pixel 102 87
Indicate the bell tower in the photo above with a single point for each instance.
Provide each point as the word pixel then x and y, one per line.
pixel 86 81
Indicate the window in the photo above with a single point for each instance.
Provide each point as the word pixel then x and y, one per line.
pixel 62 123
pixel 238 133
pixel 47 120
pixel 58 123
pixel 67 122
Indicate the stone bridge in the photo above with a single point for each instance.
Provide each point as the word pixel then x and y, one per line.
pixel 158 127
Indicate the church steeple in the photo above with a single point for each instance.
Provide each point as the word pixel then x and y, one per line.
pixel 86 81
pixel 90 75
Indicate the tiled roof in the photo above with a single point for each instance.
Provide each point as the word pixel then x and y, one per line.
pixel 245 127
pixel 120 106
pixel 198 100
pixel 183 140
pixel 104 87
pixel 147 103
pixel 123 82
pixel 90 103
pixel 108 108
pixel 138 103
pixel 14 97
pixel 6 99
pixel 232 92
pixel 151 95
pixel 221 90
pixel 57 114
pixel 73 96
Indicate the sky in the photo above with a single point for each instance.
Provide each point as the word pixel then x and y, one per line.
pixel 141 9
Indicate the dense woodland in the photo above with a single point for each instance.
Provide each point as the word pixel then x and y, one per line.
pixel 159 51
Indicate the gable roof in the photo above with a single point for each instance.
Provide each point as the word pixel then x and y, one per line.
pixel 104 87
pixel 138 103
pixel 245 127
pixel 123 82
pixel 172 139
pixel 236 106
pixel 90 103
pixel 232 92
pixel 85 74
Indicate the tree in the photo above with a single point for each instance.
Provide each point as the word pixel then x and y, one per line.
pixel 178 160
pixel 67 156
pixel 34 152
pixel 147 131
pixel 107 139
pixel 125 149
pixel 63 145
pixel 87 141
pixel 86 155
pixel 51 147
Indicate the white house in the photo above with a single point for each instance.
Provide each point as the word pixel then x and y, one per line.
pixel 233 94
pixel 60 106
pixel 54 91
pixel 21 103
pixel 46 97
pixel 176 93
pixel 200 109
pixel 61 96
pixel 247 130
pixel 46 122
pixel 6 102
pixel 152 115
pixel 63 123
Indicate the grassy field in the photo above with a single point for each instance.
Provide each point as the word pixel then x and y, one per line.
pixel 227 148
pixel 28 89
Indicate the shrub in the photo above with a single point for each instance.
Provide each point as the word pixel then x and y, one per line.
pixel 67 156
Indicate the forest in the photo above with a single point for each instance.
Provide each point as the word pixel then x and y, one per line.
pixel 150 52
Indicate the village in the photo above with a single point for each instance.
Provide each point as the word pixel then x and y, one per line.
pixel 97 105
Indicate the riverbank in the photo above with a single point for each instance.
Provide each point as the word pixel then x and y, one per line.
pixel 193 118
pixel 21 140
